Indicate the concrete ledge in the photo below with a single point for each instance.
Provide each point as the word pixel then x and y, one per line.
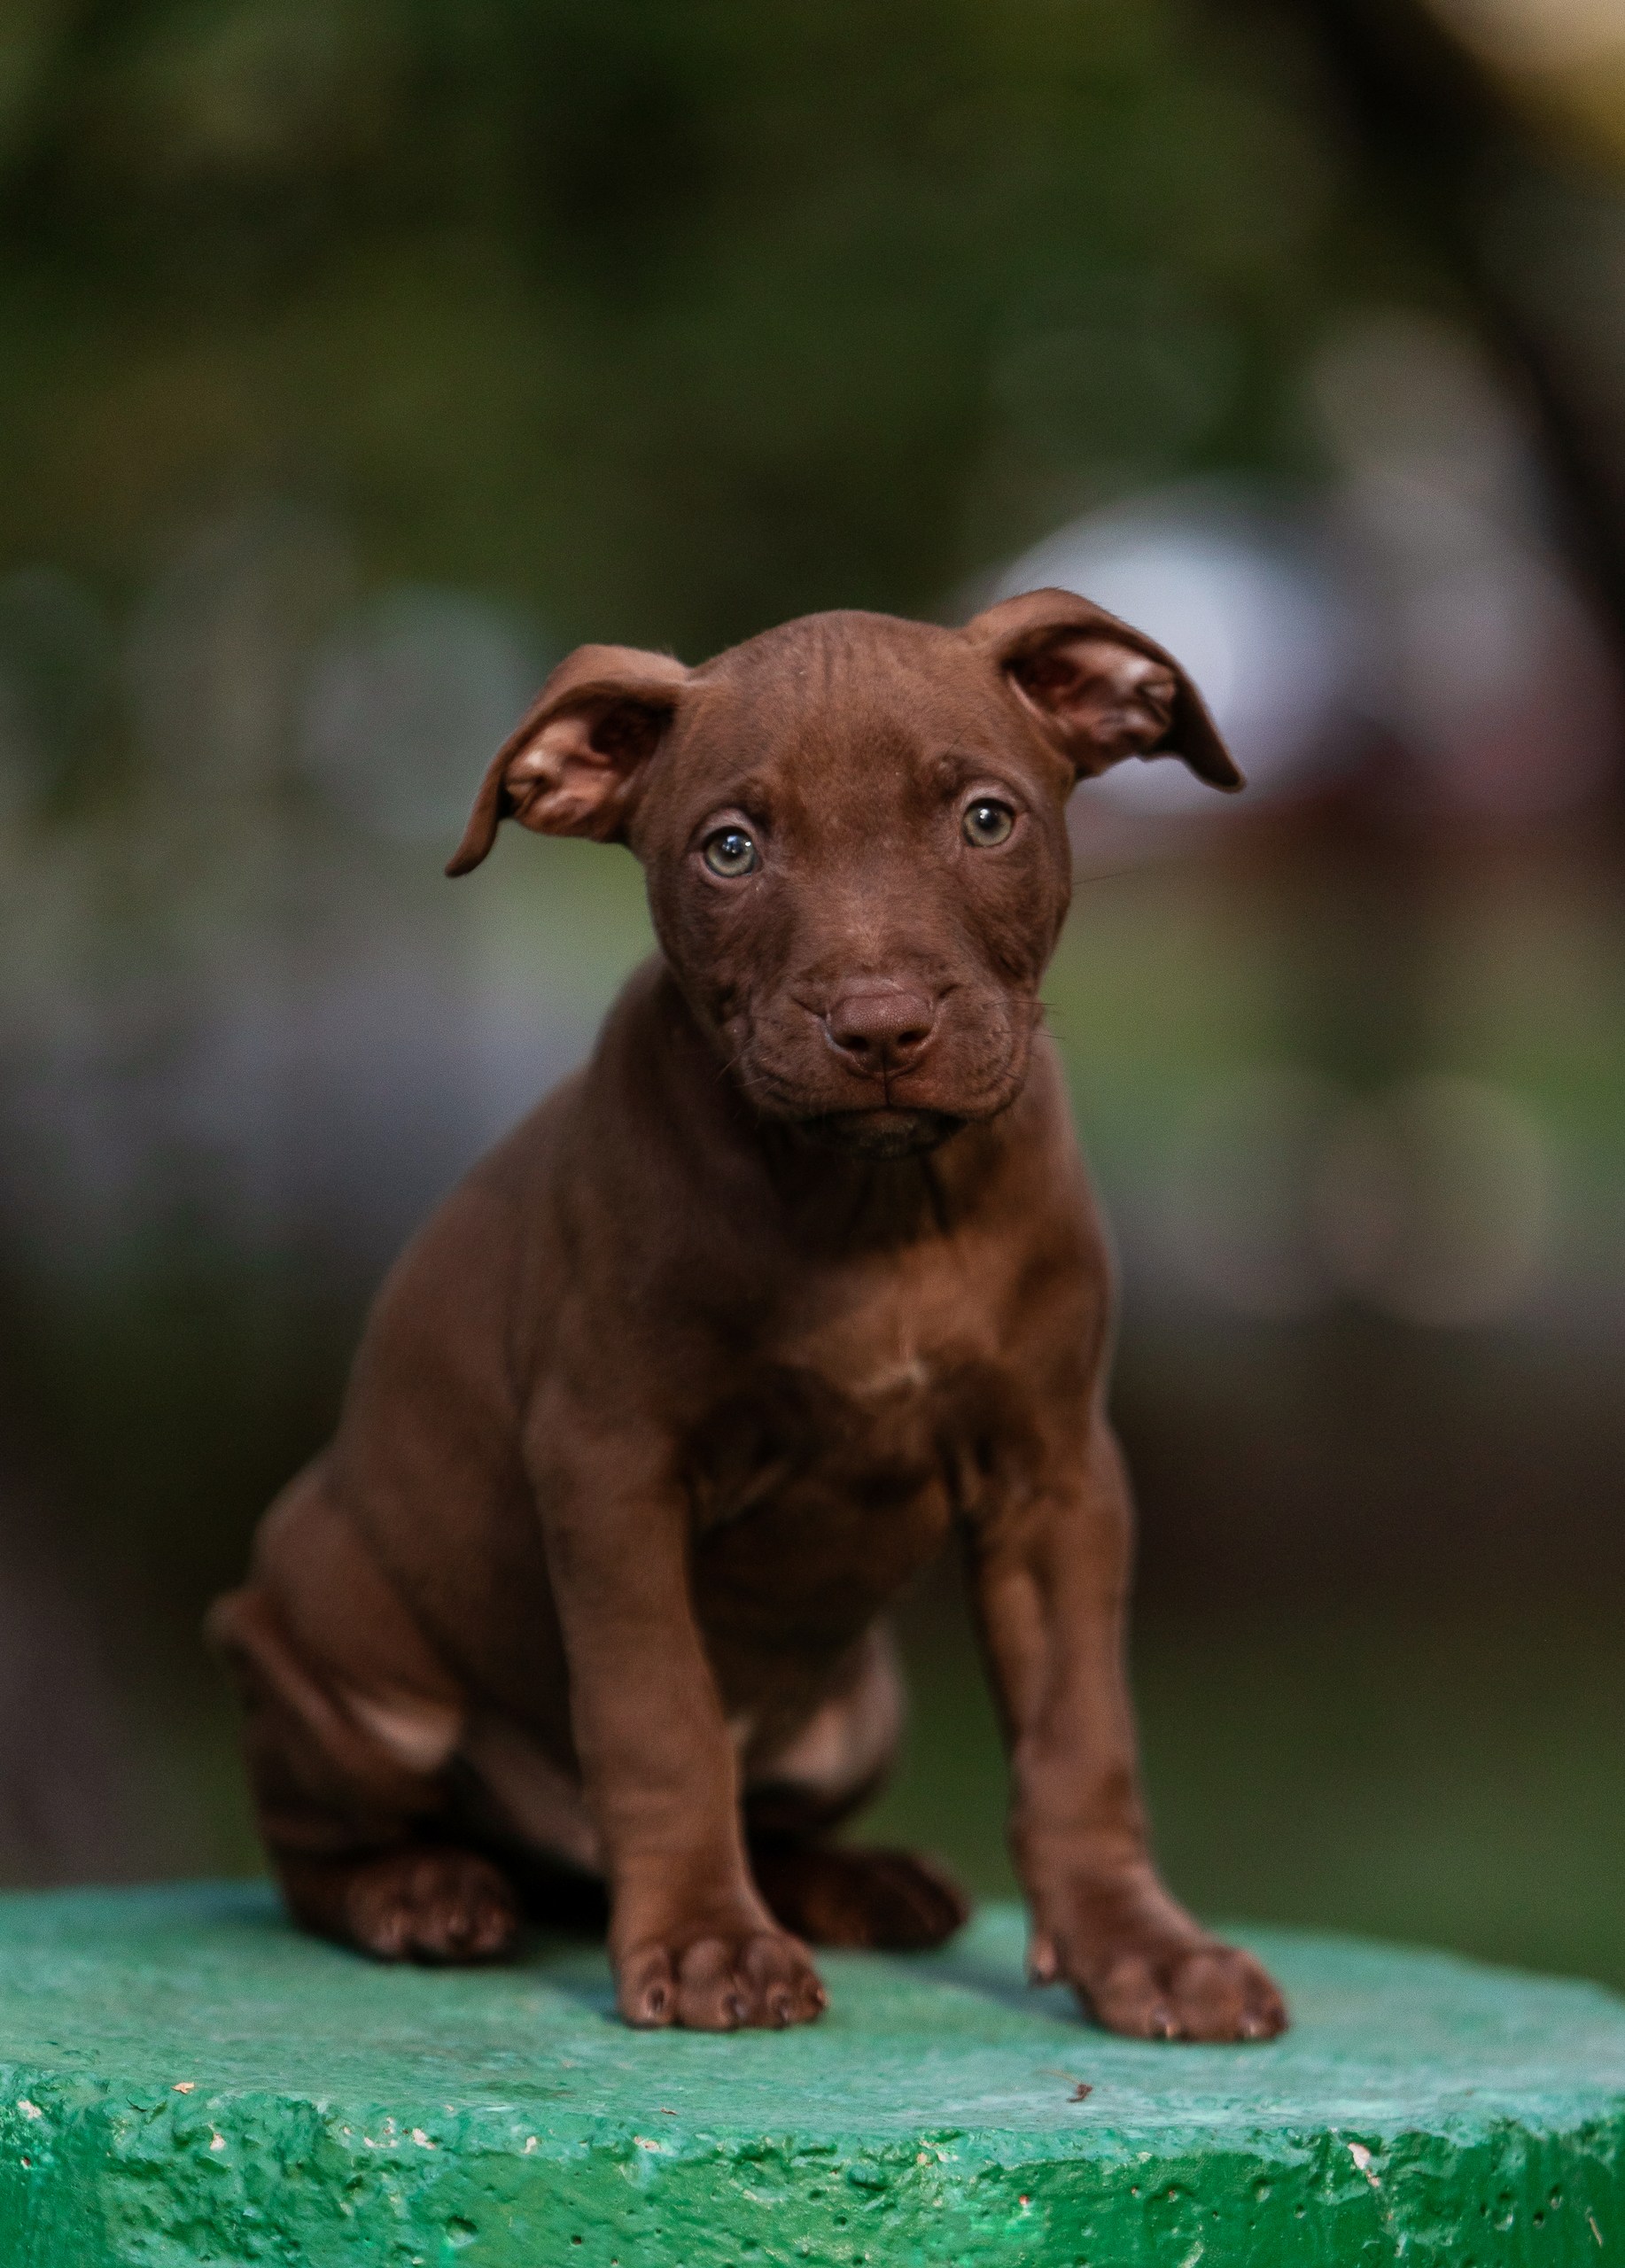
pixel 183 2079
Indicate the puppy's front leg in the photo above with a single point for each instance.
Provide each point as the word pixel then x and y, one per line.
pixel 690 1939
pixel 1050 1583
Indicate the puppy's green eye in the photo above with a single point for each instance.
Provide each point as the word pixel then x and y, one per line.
pixel 730 852
pixel 987 823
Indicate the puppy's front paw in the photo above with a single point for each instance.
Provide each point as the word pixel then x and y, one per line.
pixel 1140 1965
pixel 1206 1991
pixel 719 1981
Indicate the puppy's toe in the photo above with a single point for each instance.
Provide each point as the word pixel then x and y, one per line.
pixel 710 1996
pixel 474 1919
pixel 646 1991
pixel 1129 1994
pixel 780 1982
pixel 1224 1994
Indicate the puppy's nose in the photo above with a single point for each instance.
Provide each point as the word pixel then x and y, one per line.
pixel 877 1030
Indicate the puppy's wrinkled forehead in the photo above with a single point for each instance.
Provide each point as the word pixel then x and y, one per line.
pixel 848 695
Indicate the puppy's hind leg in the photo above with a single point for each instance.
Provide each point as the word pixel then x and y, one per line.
pixel 353 1798
pixel 858 1894
pixel 845 1894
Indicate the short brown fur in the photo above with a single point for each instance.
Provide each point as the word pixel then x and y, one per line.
pixel 799 1275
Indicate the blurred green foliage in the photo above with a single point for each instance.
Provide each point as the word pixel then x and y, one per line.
pixel 669 320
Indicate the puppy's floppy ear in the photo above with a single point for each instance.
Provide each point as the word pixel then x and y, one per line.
pixel 572 767
pixel 1099 690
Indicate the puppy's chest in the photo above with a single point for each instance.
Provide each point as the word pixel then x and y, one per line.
pixel 873 1410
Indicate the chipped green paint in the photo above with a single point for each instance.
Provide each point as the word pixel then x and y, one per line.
pixel 183 2079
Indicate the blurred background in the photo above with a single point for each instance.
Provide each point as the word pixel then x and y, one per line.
pixel 359 357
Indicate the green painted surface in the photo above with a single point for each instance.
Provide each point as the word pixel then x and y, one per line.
pixel 182 2078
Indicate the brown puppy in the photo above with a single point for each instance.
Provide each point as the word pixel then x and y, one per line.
pixel 799 1273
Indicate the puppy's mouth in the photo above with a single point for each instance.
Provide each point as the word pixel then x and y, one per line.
pixel 887 1133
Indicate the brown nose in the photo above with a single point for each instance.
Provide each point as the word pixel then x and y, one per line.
pixel 880 1030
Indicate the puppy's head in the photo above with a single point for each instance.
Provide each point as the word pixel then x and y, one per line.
pixel 854 831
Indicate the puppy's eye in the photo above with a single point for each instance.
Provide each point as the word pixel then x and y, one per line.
pixel 730 852
pixel 987 823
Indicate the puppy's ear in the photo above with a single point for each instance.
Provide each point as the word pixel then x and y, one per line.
pixel 573 765
pixel 1098 690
